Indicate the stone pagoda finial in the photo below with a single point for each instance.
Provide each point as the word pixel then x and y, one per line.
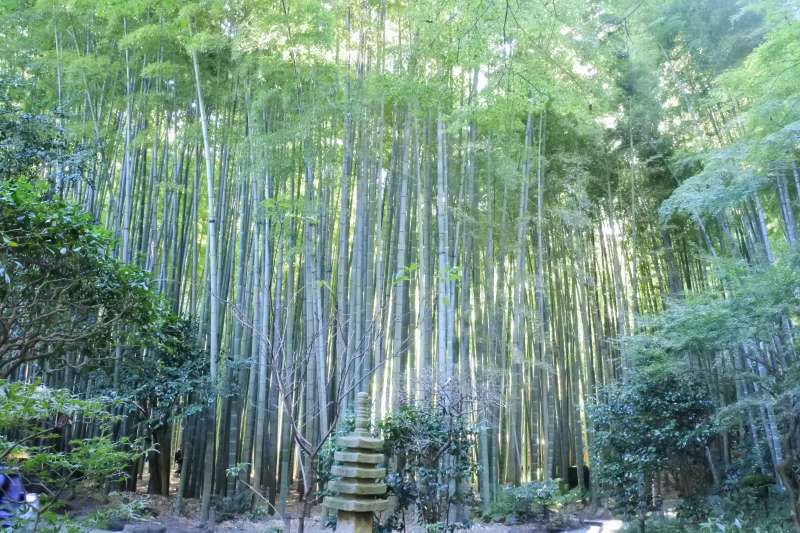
pixel 359 486
pixel 363 413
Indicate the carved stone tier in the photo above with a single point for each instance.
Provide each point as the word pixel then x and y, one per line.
pixel 358 457
pixel 358 472
pixel 359 489
pixel 357 441
pixel 353 505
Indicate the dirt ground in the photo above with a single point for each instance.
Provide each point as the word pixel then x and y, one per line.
pixel 162 510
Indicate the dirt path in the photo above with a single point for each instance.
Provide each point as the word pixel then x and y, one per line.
pixel 601 526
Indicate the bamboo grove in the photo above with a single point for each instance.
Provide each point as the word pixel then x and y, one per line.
pixel 402 197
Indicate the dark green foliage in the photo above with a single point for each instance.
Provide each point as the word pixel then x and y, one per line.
pixel 60 291
pixel 530 501
pixel 663 413
pixel 33 145
pixel 172 368
pixel 643 426
pixel 754 498
pixel 122 508
pixel 67 303
pixel 737 511
pixel 546 502
pixel 693 509
pixel 718 33
pixel 432 447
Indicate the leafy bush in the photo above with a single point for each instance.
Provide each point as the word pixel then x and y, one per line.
pixel 751 493
pixel 655 420
pixel 530 501
pixel 32 420
pixel 754 499
pixel 432 446
pixel 537 501
pixel 716 524
pixel 659 526
pixel 729 523
pixel 60 290
pixel 120 509
pixel 32 144
pixel 65 299
pixel 738 511
pixel 694 509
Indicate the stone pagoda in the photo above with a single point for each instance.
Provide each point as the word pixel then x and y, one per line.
pixel 359 487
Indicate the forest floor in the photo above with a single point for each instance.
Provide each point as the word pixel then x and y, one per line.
pixel 162 510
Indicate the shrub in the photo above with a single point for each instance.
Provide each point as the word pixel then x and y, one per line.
pixel 432 446
pixel 537 501
pixel 60 290
pixel 120 510
pixel 694 509
pixel 32 420
pixel 530 501
pixel 656 420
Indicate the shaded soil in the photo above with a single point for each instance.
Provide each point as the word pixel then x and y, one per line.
pixel 161 511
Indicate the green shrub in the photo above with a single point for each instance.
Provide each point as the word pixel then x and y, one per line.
pixel 754 499
pixel 530 501
pixel 32 418
pixel 657 419
pixel 58 280
pixel 569 497
pixel 735 514
pixel 120 510
pixel 694 509
pixel 766 524
pixel 433 446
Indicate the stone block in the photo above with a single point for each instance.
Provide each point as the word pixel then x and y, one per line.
pixel 357 488
pixel 359 441
pixel 347 522
pixel 358 457
pixel 358 472
pixel 354 505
